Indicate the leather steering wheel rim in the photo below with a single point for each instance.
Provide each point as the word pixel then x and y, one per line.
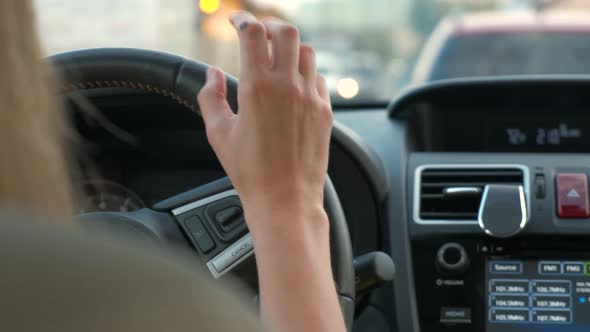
pixel 181 79
pixel 155 72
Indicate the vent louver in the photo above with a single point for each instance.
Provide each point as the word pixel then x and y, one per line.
pixel 455 194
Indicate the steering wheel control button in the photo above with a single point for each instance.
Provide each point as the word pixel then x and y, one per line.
pixel 229 218
pixel 452 259
pixel 503 210
pixel 231 256
pixel 450 315
pixel 199 234
pixel 572 195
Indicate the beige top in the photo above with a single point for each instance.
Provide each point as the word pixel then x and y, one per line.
pixel 54 279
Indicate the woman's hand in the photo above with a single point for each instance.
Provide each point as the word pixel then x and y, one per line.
pixel 275 151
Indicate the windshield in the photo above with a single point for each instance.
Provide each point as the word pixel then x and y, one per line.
pixel 367 50
pixel 555 53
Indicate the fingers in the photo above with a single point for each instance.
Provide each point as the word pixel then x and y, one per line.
pixel 285 44
pixel 288 54
pixel 322 88
pixel 307 64
pixel 213 104
pixel 253 42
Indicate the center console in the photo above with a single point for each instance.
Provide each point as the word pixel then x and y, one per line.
pixel 508 286
pixel 499 241
pixel 497 210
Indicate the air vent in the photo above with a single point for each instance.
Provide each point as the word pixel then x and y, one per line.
pixel 454 194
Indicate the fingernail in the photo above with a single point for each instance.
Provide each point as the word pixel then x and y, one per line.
pixel 243 25
pixel 210 73
pixel 234 14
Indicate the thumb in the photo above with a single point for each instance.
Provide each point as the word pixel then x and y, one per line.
pixel 213 103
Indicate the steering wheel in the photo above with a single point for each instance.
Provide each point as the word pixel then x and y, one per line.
pixel 209 218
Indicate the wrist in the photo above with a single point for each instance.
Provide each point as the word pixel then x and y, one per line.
pixel 293 243
pixel 290 215
pixel 293 224
pixel 290 198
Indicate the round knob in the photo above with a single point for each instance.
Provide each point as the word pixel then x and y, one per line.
pixel 452 259
pixel 503 211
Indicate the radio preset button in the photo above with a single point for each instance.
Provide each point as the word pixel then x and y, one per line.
pixel 509 315
pixel 549 268
pixel 551 316
pixel 573 268
pixel 551 301
pixel 509 301
pixel 502 286
pixel 557 287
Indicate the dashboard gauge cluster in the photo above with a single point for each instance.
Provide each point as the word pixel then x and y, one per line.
pixel 104 195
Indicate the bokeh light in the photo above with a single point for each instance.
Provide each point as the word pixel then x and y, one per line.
pixel 209 6
pixel 347 88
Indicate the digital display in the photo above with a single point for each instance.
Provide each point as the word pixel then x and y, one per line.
pixel 539 135
pixel 537 295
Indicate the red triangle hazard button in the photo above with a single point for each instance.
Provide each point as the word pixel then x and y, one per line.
pixel 572 195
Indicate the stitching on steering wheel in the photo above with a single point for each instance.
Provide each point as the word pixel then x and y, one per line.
pixel 129 85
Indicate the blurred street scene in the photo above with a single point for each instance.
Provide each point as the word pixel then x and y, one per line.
pixel 368 50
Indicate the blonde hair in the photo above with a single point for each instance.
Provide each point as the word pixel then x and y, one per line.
pixel 32 164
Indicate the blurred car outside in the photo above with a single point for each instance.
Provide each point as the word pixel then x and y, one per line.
pixel 506 43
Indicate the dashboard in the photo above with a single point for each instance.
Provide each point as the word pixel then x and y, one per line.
pixel 477 188
pixel 130 164
pixel 135 150
pixel 488 205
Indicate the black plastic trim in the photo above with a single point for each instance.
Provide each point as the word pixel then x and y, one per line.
pixel 495 88
pixel 368 160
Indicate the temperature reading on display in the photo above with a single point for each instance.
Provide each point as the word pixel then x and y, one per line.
pixel 553 136
pixel 541 135
pixel 516 136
